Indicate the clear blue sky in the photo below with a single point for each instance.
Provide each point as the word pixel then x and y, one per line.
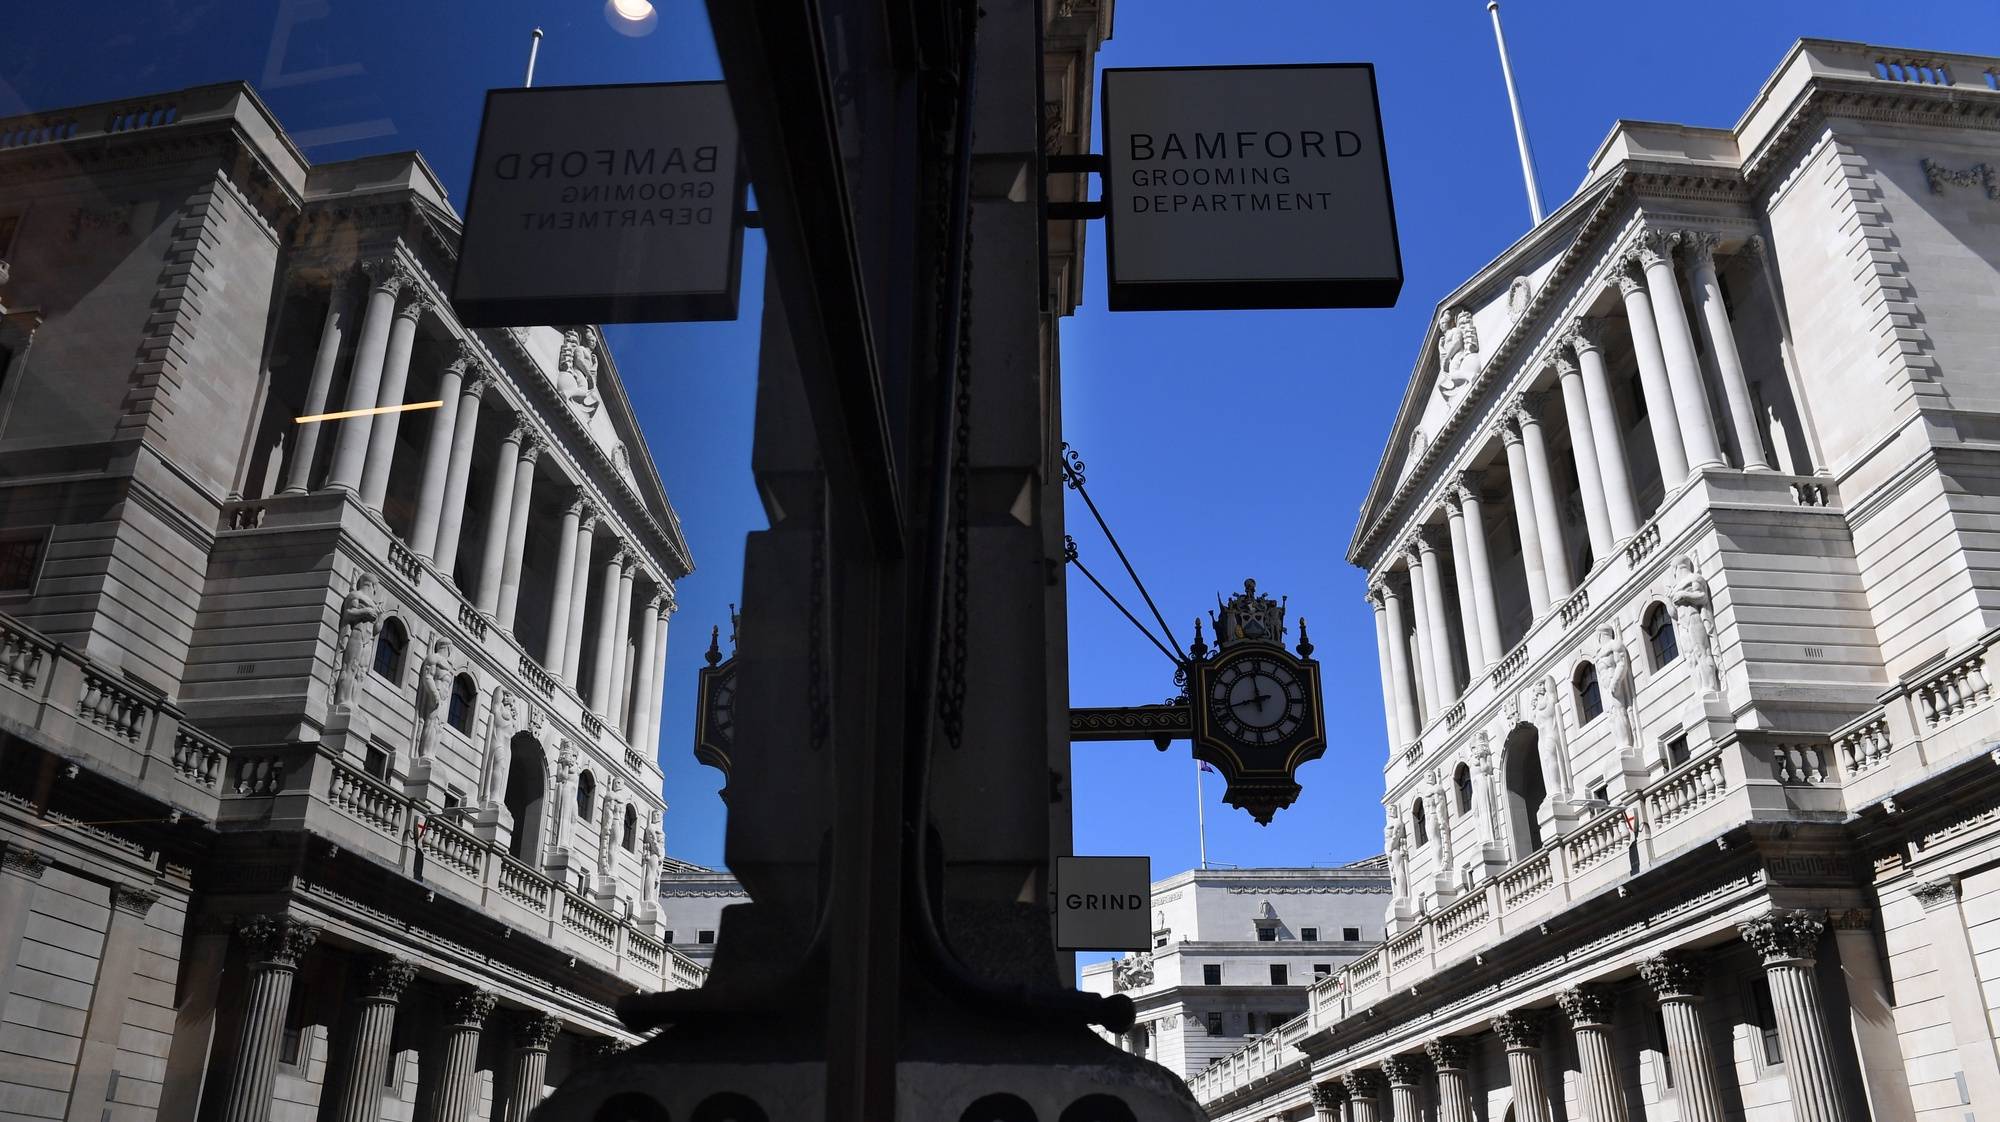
pixel 1220 444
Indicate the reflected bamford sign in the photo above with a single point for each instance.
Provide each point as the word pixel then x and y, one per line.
pixel 603 204
pixel 1247 187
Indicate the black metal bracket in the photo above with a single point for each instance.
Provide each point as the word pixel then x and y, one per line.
pixel 1083 163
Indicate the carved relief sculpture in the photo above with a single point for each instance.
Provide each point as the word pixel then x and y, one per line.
pixel 1486 790
pixel 649 865
pixel 433 696
pixel 1441 823
pixel 1694 618
pixel 360 624
pixel 1132 972
pixel 565 769
pixel 1458 351
pixel 506 721
pixel 1614 684
pixel 1546 716
pixel 576 366
pixel 1396 842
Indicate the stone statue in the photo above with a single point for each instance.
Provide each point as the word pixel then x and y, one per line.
pixel 1544 714
pixel 433 696
pixel 1132 972
pixel 1486 790
pixel 1440 821
pixel 1396 841
pixel 1458 351
pixel 506 721
pixel 360 624
pixel 576 364
pixel 1694 618
pixel 1614 686
pixel 649 862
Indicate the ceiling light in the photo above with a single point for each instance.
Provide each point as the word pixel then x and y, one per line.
pixel 631 17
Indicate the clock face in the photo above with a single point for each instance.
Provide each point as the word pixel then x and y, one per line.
pixel 1257 699
pixel 722 706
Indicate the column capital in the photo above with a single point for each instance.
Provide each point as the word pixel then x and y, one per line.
pixel 531 445
pixel 537 1031
pixel 134 899
pixel 387 273
pixel 280 940
pixel 1675 976
pixel 626 560
pixel 419 302
pixel 669 603
pixel 1586 1005
pixel 1430 537
pixel 1700 248
pixel 1784 936
pixel 469 1008
pixel 1934 894
pixel 386 977
pixel 1585 333
pixel 1448 1053
pixel 1756 246
pixel 478 379
pixel 587 515
pixel 1655 246
pixel 1630 281
pixel 655 603
pixel 1520 1029
pixel 1510 434
pixel 1565 365
pixel 27 862
pixel 1405 1071
pixel 1408 551
pixel 1362 1083
pixel 1525 408
pixel 466 357
pixel 1329 1095
pixel 1377 594
pixel 1467 487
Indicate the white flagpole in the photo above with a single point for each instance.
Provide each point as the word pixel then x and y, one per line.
pixel 534 48
pixel 1200 818
pixel 1520 125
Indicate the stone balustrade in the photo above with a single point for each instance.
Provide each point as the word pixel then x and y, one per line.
pixel 1273 1053
pixel 367 801
pixel 452 847
pixel 591 922
pixel 1573 608
pixel 1603 837
pixel 198 757
pixel 525 885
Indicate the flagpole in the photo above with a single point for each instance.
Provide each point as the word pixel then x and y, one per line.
pixel 1200 818
pixel 1520 124
pixel 534 48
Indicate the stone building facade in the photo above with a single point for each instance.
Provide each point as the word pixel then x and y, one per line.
pixel 1681 572
pixel 691 901
pixel 1234 951
pixel 327 749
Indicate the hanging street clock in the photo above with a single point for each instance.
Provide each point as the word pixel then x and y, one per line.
pixel 715 712
pixel 1252 709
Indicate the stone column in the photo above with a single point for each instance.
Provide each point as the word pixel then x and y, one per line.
pixel 558 630
pixel 528 1066
pixel 395 381
pixel 621 649
pixel 116 964
pixel 1449 1055
pixel 1387 672
pixel 519 508
pixel 1788 942
pixel 1521 1033
pixel 1471 623
pixel 458 471
pixel 608 633
pixel 437 454
pixel 1330 1102
pixel 388 278
pixel 1707 289
pixel 1524 520
pixel 1471 504
pixel 273 945
pixel 1653 382
pixel 1600 1092
pixel 579 594
pixel 1885 1083
pixel 1432 690
pixel 1364 1088
pixel 1583 452
pixel 642 676
pixel 493 556
pixel 1767 269
pixel 1443 664
pixel 1406 1087
pixel 1607 435
pixel 1676 980
pixel 360 1094
pixel 1403 724
pixel 1542 492
pixel 339 320
pixel 1656 256
pixel 455 1094
pixel 656 684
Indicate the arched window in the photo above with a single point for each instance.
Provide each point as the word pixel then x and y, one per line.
pixel 1660 641
pixel 458 714
pixel 586 795
pixel 390 643
pixel 630 837
pixel 1461 780
pixel 1423 835
pixel 1588 703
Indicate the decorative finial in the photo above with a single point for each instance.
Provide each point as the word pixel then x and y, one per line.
pixel 714 655
pixel 1198 649
pixel 732 628
pixel 1305 641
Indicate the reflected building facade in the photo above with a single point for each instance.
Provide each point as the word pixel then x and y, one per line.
pixel 327 748
pixel 1679 565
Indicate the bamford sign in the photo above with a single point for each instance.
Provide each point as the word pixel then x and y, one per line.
pixel 602 204
pixel 1247 187
pixel 1102 903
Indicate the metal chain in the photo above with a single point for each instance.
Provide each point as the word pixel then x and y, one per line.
pixel 951 670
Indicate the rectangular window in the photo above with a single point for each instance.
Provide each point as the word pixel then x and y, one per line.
pixel 1215 1024
pixel 704 936
pixel 670 936
pixel 1677 751
pixel 377 763
pixel 1267 934
pixel 1309 934
pixel 291 1045
pixel 1211 974
pixel 1351 934
pixel 1322 969
pixel 19 559
pixel 1279 974
pixel 1767 1021
pixel 1602 793
pixel 1160 940
pixel 453 797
